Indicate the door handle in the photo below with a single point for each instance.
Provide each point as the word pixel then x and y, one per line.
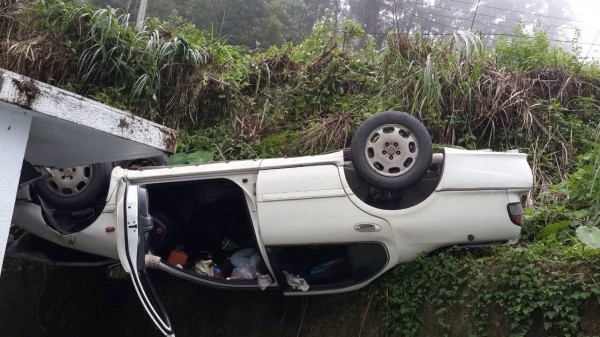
pixel 367 227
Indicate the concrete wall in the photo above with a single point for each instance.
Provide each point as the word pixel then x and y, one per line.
pixel 14 131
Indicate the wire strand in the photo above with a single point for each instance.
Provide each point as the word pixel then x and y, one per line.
pixel 514 10
pixel 481 22
pixel 517 11
pixel 488 34
pixel 492 16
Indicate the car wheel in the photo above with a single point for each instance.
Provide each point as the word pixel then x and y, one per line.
pixel 143 162
pixel 391 150
pixel 73 188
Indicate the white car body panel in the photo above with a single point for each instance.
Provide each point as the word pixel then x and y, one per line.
pixel 309 205
pixel 295 217
pixel 450 214
pixel 191 172
pixel 94 239
pixel 415 233
pixel 467 170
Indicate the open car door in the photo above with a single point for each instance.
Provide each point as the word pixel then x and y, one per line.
pixel 134 225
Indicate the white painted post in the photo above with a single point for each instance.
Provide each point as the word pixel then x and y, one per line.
pixel 14 132
pixel 141 16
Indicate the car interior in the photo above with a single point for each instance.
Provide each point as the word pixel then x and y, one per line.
pixel 329 266
pixel 201 225
pixel 209 220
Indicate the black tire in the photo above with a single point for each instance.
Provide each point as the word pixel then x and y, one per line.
pixel 391 150
pixel 75 188
pixel 133 164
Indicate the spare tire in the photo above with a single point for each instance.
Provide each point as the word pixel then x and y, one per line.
pixel 74 188
pixel 391 150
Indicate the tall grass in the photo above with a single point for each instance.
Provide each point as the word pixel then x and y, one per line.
pixel 74 44
pixel 466 99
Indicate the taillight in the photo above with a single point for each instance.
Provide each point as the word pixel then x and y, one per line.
pixel 515 212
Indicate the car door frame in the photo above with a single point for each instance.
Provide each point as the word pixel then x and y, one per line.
pixel 131 226
pixel 327 217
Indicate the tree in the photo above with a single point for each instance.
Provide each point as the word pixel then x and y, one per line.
pixel 265 22
pixel 244 22
pixel 303 14
pixel 370 13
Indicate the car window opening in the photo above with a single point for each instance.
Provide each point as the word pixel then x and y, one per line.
pixel 396 199
pixel 204 227
pixel 330 266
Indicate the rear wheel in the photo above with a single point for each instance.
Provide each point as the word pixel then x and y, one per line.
pixel 391 150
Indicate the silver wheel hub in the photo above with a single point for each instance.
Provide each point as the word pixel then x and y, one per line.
pixel 70 181
pixel 391 150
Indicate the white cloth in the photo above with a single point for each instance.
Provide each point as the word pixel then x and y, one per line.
pixel 296 282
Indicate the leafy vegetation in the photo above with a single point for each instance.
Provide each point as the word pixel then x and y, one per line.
pixel 574 204
pixel 502 292
pixel 230 102
pixel 527 52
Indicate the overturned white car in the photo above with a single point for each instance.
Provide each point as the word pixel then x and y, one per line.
pixel 309 225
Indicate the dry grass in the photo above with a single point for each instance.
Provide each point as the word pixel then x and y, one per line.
pixel 41 55
pixel 273 71
pixel 508 101
pixel 327 133
pixel 466 100
pixel 552 83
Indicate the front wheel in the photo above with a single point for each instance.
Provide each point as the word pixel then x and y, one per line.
pixel 391 150
pixel 73 188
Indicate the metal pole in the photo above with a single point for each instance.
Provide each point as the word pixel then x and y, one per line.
pixel 474 15
pixel 588 53
pixel 139 22
pixel 14 133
